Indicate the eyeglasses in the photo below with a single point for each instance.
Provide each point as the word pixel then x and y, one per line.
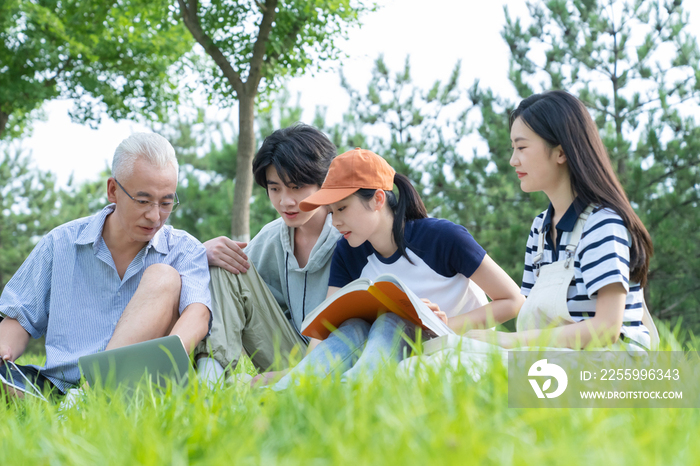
pixel 145 206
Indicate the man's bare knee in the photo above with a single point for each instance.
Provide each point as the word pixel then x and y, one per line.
pixel 163 279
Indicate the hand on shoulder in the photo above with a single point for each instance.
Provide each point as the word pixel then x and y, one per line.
pixel 228 254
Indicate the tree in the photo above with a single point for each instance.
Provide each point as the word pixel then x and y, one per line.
pixel 110 56
pixel 635 66
pixel 207 174
pixel 254 46
pixel 78 200
pixel 407 123
pixel 28 207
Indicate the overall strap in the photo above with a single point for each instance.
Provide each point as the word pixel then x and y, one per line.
pixel 576 235
pixel 570 248
pixel 540 253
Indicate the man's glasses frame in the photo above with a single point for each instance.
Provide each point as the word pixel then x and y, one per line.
pixel 146 206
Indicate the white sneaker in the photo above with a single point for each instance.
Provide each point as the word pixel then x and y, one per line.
pixel 211 372
pixel 73 398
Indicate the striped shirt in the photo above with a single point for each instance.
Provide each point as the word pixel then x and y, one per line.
pixel 602 258
pixel 69 290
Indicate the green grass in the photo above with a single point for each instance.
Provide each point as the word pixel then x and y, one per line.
pixel 437 418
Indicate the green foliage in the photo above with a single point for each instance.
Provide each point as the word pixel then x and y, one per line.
pixel 485 192
pixel 303 34
pixel 110 56
pixel 407 128
pixel 207 156
pixel 634 65
pixel 205 187
pixel 399 121
pixel 28 206
pixel 83 199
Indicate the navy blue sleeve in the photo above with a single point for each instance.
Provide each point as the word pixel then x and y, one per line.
pixel 446 247
pixel 347 263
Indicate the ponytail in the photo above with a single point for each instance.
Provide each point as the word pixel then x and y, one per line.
pixel 409 206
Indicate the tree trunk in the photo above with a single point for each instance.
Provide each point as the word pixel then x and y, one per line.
pixel 240 218
pixel 4 117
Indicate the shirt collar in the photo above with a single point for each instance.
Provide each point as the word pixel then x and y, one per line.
pixel 93 232
pixel 159 242
pixel 568 220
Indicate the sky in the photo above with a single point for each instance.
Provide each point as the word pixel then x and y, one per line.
pixel 435 34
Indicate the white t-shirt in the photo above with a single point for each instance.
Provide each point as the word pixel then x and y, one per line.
pixel 444 256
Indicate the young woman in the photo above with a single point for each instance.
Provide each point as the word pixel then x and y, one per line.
pixel 588 254
pixel 438 260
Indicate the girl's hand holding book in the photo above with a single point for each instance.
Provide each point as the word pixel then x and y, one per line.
pixel 436 309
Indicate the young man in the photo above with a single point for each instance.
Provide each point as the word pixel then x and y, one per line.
pixel 261 295
pixel 119 277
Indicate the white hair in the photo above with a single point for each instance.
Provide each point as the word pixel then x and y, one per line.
pixel 150 147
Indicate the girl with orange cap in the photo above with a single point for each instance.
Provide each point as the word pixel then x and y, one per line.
pixel 384 233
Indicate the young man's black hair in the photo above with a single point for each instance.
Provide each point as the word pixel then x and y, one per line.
pixel 301 154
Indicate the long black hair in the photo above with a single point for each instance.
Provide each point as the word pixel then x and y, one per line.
pixel 562 120
pixel 409 206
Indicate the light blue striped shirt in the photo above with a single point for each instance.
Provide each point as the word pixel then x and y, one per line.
pixel 69 290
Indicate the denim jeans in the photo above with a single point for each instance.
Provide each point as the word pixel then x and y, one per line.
pixel 343 352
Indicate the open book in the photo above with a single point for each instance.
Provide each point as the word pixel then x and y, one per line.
pixel 366 299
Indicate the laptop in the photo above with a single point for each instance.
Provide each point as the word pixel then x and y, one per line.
pixel 160 360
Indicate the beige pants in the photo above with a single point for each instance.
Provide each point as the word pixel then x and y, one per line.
pixel 247 315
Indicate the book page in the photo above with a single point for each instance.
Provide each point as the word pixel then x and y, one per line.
pixel 410 304
pixel 391 278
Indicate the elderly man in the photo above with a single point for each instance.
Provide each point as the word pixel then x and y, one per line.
pixel 113 279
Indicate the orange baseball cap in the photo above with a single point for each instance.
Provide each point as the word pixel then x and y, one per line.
pixel 349 172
